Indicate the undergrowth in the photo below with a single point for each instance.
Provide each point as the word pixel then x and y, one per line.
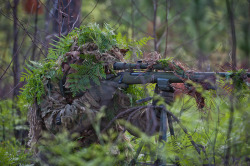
pixel 12 153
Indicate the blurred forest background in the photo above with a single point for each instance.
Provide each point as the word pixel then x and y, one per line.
pixel 196 32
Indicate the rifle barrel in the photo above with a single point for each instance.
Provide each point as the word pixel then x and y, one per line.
pixel 124 66
pixel 151 77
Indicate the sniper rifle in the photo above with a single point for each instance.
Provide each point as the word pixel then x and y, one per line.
pixel 163 75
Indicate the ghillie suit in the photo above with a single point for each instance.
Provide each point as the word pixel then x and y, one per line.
pixel 71 89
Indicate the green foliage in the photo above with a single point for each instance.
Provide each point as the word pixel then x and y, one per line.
pixel 237 78
pixel 63 151
pixel 138 91
pixel 165 62
pixel 62 46
pixel 89 70
pixel 209 128
pixel 5 117
pixel 132 45
pixel 104 38
pixel 143 41
pixel 37 75
pixel 170 63
pixel 10 119
pixel 189 39
pixel 11 153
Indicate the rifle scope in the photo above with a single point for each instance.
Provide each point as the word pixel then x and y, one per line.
pixel 139 65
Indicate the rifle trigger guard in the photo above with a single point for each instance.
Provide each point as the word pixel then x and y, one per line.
pixel 163 84
pixel 121 78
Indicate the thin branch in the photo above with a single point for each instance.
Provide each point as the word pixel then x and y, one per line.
pixel 75 22
pixel 30 36
pixel 136 7
pixel 59 18
pixel 197 38
pixel 18 50
pixel 132 21
pixel 20 24
pixel 51 12
pixel 88 13
pixel 154 23
pixel 119 20
pixel 233 34
pixel 167 12
pixel 35 34
pixel 67 4
pixel 129 23
pixel 171 22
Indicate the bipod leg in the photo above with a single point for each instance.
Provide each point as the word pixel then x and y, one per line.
pixel 171 129
pixel 133 161
pixel 163 134
pixel 163 126
pixel 161 161
pixel 166 91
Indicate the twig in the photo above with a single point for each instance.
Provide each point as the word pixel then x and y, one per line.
pixel 154 24
pixel 88 13
pixel 59 17
pixel 141 11
pixel 132 22
pixel 118 21
pixel 197 38
pixel 34 47
pixel 73 26
pixel 69 1
pixel 20 24
pixel 13 57
pixel 167 11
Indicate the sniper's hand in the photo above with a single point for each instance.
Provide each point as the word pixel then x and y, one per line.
pixel 104 92
pixel 167 95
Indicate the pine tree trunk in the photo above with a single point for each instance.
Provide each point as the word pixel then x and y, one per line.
pixel 16 67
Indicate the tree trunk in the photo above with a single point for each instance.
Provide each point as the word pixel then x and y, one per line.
pixel 16 67
pixel 68 16
pixel 155 3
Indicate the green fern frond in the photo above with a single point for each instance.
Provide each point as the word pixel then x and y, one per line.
pixel 86 73
pixel 134 46
pixel 143 41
